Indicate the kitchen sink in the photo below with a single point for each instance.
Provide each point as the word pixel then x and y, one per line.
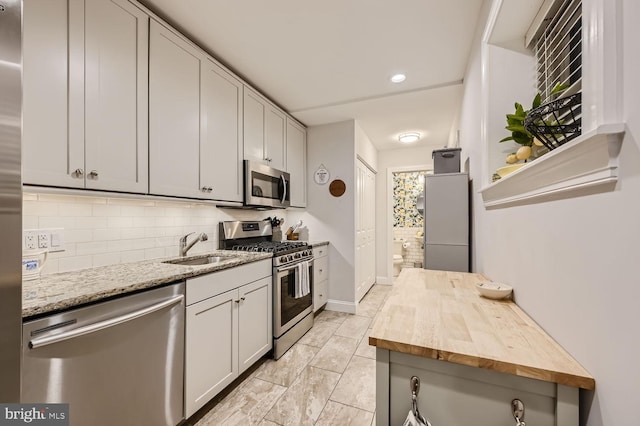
pixel 200 260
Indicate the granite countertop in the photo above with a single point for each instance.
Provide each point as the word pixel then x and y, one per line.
pixel 440 315
pixel 317 243
pixel 55 292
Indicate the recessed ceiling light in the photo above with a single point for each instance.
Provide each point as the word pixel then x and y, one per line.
pixel 398 78
pixel 409 137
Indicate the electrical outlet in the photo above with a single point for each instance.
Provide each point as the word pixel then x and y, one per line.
pixel 43 239
pixel 30 241
pixel 51 239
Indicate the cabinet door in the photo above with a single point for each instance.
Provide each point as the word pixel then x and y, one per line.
pixel 48 155
pixel 254 126
pixel 211 341
pixel 220 134
pixel 275 123
pixel 255 322
pixel 116 100
pixel 297 163
pixel 174 114
pixel 319 295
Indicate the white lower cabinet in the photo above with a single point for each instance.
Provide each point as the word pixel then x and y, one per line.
pixel 228 328
pixel 320 276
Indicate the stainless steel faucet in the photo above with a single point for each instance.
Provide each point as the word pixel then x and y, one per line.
pixel 184 247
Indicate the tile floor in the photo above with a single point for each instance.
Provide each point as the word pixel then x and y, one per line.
pixel 326 378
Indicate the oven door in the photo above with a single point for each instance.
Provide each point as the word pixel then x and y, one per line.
pixel 265 186
pixel 288 310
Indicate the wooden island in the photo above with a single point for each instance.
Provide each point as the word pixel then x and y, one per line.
pixel 473 356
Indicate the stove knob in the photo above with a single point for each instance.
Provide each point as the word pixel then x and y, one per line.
pixel 283 259
pixel 290 257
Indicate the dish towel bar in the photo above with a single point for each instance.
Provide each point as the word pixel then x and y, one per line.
pixel 414 418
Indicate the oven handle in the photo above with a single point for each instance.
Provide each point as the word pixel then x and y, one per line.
pixel 287 268
pixel 284 186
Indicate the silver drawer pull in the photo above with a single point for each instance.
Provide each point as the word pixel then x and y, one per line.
pixel 93 174
pixel 77 173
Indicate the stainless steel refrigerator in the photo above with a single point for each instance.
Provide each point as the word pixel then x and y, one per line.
pixel 10 199
pixel 446 222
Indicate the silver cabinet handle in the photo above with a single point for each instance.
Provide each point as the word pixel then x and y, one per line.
pixel 203 189
pixel 237 301
pixel 320 270
pixel 77 173
pixel 209 189
pixel 242 298
pixel 93 174
pixel 111 322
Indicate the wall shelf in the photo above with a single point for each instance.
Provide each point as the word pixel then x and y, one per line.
pixel 588 161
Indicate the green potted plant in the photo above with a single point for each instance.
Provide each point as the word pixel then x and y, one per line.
pixel 520 135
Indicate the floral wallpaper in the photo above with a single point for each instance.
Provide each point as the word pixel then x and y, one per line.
pixel 406 188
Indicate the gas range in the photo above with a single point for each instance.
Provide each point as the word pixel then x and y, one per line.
pixel 284 252
pixel 256 236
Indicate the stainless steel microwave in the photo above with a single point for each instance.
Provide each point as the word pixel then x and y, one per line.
pixel 265 186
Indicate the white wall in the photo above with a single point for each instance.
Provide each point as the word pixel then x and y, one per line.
pixel 333 218
pixel 573 262
pixel 103 231
pixel 417 158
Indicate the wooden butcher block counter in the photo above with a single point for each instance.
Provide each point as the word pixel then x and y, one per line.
pixel 439 315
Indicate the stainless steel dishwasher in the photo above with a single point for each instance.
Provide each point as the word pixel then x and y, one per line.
pixel 119 362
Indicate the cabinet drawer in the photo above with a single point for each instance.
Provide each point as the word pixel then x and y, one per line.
pixel 205 286
pixel 320 251
pixel 320 269
pixel 320 295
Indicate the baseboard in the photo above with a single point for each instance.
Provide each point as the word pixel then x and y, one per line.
pixel 341 306
pixel 384 281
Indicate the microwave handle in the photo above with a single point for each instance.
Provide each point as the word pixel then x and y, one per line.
pixel 284 186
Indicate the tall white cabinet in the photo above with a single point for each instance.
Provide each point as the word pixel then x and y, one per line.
pixel 297 162
pixel 264 130
pixel 85 118
pixel 194 121
pixel 365 229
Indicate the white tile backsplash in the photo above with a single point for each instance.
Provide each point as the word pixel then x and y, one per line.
pixel 103 231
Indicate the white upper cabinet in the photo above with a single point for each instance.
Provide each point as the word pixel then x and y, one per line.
pixel 297 162
pixel 221 133
pixel 116 96
pixel 174 115
pixel 195 122
pixel 264 130
pixel 85 118
pixel 47 157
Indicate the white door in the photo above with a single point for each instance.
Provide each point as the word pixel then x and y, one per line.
pixel 255 328
pixel 220 134
pixel 275 123
pixel 116 96
pixel 365 229
pixel 49 156
pixel 297 163
pixel 254 126
pixel 211 342
pixel 174 114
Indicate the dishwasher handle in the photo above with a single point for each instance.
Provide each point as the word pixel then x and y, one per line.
pixel 111 322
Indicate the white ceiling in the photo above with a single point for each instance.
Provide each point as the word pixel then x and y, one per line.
pixel 331 60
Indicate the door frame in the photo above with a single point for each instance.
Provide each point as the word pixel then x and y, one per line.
pixel 389 215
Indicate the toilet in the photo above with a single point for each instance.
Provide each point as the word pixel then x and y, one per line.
pixel 397 257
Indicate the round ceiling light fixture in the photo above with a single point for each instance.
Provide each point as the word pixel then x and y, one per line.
pixel 398 78
pixel 409 137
